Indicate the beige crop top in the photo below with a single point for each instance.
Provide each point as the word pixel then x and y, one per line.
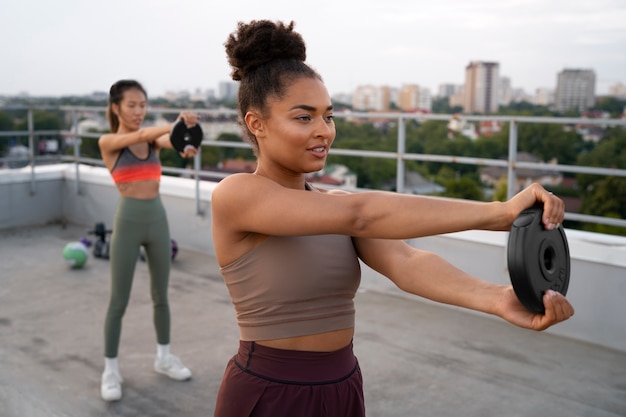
pixel 294 286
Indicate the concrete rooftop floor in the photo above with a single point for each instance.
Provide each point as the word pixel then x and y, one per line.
pixel 417 358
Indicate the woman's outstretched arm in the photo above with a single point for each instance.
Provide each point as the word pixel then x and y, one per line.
pixel 426 274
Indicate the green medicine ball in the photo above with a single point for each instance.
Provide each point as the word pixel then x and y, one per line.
pixel 75 254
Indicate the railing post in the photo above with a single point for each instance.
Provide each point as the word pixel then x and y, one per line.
pixel 401 152
pixel 31 149
pixel 76 142
pixel 512 176
pixel 197 167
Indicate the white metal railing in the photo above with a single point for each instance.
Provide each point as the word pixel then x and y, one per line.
pixel 511 164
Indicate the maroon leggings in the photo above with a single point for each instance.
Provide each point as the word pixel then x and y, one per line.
pixel 265 382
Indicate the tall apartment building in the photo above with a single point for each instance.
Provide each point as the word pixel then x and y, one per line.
pixel 618 90
pixel 481 89
pixel 228 90
pixel 456 99
pixel 342 98
pixel 544 97
pixel 413 97
pixel 505 91
pixel 448 90
pixel 519 94
pixel 575 90
pixel 369 97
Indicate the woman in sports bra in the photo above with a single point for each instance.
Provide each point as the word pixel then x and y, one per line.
pixel 131 153
pixel 290 252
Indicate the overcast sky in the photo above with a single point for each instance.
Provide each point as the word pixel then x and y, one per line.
pixel 68 47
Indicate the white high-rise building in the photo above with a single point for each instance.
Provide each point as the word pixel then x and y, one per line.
pixel 370 97
pixel 618 90
pixel 544 97
pixel 481 92
pixel 505 92
pixel 448 90
pixel 413 97
pixel 228 90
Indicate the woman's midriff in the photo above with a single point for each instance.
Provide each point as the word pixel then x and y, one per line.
pixel 321 342
pixel 142 190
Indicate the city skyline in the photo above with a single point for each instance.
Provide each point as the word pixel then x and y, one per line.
pixel 72 47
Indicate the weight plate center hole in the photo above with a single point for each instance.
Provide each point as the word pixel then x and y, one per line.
pixel 549 256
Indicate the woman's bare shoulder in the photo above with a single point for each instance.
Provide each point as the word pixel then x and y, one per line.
pixel 236 181
pixel 110 142
pixel 238 187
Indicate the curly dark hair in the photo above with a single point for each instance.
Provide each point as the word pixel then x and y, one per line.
pixel 265 57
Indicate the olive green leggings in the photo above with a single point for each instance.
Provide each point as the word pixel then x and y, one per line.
pixel 138 223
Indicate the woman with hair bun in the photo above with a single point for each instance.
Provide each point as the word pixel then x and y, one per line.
pixel 289 252
pixel 131 153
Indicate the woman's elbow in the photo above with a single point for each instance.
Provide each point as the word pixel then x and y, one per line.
pixel 143 135
pixel 361 223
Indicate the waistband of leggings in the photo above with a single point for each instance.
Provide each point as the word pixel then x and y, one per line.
pixel 295 366
pixel 140 210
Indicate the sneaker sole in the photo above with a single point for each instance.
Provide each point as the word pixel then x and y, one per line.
pixel 111 399
pixel 172 376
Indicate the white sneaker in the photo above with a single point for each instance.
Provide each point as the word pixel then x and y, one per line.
pixel 111 388
pixel 173 367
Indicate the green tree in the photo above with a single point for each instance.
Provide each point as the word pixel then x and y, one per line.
pixel 6 121
pixel 441 105
pixel 371 172
pixel 432 138
pixel 605 196
pixel 6 124
pixel 614 106
pixel 233 153
pixel 610 152
pixel 171 158
pixel 524 108
pixel 210 156
pixel 548 141
pixel 42 120
pixel 492 147
pixel 500 193
pixel 88 147
pixel 463 187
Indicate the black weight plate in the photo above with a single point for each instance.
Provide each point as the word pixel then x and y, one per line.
pixel 538 259
pixel 181 135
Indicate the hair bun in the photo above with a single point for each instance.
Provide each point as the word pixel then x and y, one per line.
pixel 259 42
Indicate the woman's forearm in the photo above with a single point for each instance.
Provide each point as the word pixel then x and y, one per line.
pixel 430 276
pixel 404 216
pixel 152 133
